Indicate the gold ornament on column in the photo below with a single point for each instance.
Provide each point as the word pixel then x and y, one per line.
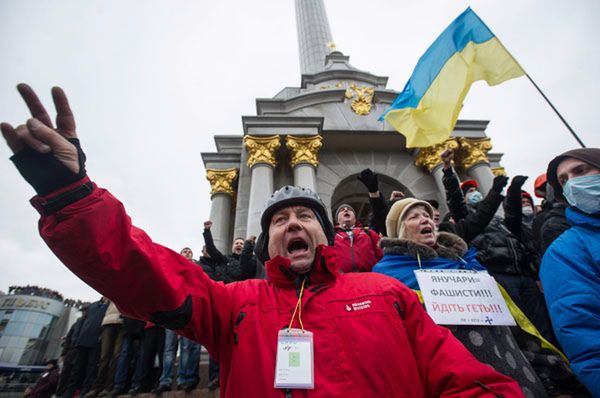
pixel 499 171
pixel 262 149
pixel 473 151
pixel 304 149
pixel 361 105
pixel 429 157
pixel 222 181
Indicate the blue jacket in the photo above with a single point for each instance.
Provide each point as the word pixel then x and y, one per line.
pixel 570 274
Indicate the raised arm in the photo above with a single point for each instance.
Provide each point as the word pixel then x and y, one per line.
pixel 90 232
pixel 215 254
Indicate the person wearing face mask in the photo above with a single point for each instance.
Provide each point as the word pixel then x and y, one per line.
pixel 414 244
pixel 570 271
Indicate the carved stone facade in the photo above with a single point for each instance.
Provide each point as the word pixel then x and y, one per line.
pixel 222 180
pixel 331 132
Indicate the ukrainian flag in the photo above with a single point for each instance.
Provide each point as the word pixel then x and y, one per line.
pixel 426 110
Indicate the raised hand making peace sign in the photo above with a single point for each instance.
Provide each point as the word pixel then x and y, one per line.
pixel 48 158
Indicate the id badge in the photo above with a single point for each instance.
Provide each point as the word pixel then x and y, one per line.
pixel 295 366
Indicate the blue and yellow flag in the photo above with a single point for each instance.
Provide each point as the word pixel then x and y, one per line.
pixel 426 110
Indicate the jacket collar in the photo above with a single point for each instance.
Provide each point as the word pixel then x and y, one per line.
pixel 578 218
pixel 448 246
pixel 323 271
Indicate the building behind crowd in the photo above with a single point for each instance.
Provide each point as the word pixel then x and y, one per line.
pixel 322 133
pixel 33 321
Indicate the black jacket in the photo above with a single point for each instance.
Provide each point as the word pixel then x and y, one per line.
pixel 549 225
pixel 227 269
pixel 504 246
pixel 89 334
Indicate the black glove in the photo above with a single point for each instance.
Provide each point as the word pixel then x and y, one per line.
pixel 499 183
pixel 515 185
pixel 369 179
pixel 44 172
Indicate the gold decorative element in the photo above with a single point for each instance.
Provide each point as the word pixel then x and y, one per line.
pixel 499 171
pixel 429 157
pixel 338 84
pixel 221 180
pixel 262 149
pixel 473 151
pixel 361 105
pixel 331 45
pixel 304 149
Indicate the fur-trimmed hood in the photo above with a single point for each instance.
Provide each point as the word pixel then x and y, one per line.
pixel 448 246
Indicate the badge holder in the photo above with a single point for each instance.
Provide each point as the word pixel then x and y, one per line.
pixel 294 366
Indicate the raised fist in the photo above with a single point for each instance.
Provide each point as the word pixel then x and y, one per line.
pixel 208 224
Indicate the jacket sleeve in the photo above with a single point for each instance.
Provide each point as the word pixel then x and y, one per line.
pixel 570 275
pixel 380 210
pixel 95 239
pixel 476 222
pixel 215 254
pixel 454 196
pixel 552 227
pixel 248 261
pixel 447 368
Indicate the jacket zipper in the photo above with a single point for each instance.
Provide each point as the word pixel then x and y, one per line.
pixel 236 326
pixel 400 311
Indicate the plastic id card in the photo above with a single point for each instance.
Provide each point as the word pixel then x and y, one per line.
pixel 295 366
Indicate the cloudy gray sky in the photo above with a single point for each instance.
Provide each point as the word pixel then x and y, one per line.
pixel 151 82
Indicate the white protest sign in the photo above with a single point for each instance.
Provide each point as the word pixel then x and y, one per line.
pixel 461 297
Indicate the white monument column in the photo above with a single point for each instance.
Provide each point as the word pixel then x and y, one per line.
pixel 430 159
pixel 262 160
pixel 314 36
pixel 304 159
pixel 222 195
pixel 472 155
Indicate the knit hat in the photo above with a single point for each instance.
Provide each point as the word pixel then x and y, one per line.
pixel 465 185
pixel 340 207
pixel 588 155
pixel 398 211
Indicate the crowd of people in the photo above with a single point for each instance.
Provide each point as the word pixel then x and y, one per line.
pixel 334 309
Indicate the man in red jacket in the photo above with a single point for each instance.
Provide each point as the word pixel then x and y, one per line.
pixel 306 331
pixel 356 247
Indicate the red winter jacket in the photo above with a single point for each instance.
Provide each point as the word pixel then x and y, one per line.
pixel 372 337
pixel 358 253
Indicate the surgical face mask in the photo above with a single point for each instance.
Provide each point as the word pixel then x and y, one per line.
pixel 474 197
pixel 584 193
pixel 528 211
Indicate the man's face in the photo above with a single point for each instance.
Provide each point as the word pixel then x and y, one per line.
pixel 187 253
pixel 571 168
pixel 237 246
pixel 436 217
pixel 346 217
pixel 295 233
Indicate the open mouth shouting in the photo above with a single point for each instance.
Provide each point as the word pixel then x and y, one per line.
pixel 297 247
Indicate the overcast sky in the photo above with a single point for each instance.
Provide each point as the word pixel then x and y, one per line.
pixel 151 82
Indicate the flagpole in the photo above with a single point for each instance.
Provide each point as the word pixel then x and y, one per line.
pixel 536 86
pixel 555 110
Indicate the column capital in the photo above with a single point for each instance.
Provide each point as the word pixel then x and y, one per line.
pixel 499 171
pixel 473 151
pixel 304 149
pixel 429 157
pixel 262 149
pixel 221 181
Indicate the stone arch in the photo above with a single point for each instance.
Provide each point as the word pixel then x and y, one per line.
pixel 395 169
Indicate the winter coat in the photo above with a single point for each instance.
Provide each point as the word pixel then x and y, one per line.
pixel 112 315
pixel 358 251
pixel 549 225
pixel 371 335
pixel 494 345
pixel 89 333
pixel 223 268
pixel 570 275
pixel 500 249
pixel 45 387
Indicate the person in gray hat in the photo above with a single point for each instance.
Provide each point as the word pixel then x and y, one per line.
pixel 305 331
pixel 570 272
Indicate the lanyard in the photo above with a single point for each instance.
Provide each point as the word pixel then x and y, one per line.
pixel 298 308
